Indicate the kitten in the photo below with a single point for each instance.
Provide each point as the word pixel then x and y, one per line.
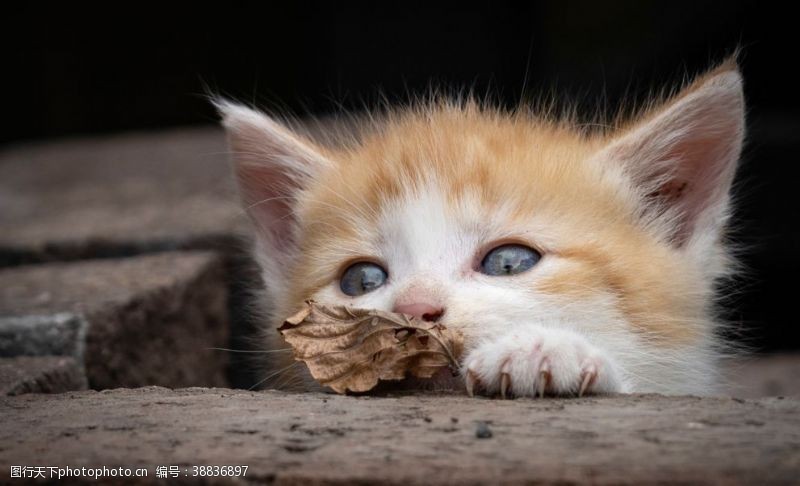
pixel 573 261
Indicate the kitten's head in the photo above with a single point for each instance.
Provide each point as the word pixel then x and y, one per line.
pixel 482 219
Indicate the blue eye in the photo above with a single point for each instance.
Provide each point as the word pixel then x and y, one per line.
pixel 509 260
pixel 361 278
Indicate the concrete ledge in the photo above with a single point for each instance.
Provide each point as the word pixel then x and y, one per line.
pixel 419 439
pixel 116 195
pixel 148 320
pixel 51 374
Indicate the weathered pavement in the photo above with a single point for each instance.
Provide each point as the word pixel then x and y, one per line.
pixel 116 196
pixel 429 439
pixel 41 374
pixel 118 252
pixel 149 320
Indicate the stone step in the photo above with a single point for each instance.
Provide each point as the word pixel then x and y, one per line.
pixel 146 320
pixel 419 439
pixel 40 374
pixel 116 196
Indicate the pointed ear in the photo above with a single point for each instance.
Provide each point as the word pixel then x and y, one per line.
pixel 272 166
pixel 682 157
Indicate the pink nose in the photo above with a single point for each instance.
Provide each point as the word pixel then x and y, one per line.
pixel 426 312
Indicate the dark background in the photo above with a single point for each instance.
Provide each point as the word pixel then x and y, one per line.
pixel 70 72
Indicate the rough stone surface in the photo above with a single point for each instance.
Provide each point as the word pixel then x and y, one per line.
pixel 116 195
pixel 147 320
pixel 128 194
pixel 60 334
pixel 421 439
pixel 49 374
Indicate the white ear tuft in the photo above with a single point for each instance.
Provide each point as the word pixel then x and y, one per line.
pixel 683 157
pixel 272 166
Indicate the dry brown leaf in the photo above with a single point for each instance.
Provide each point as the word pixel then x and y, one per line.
pixel 352 349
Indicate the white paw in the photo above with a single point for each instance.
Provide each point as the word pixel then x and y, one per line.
pixel 539 361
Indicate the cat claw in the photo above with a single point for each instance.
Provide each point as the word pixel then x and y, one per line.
pixel 544 377
pixel 505 379
pixel 513 367
pixel 471 379
pixel 589 374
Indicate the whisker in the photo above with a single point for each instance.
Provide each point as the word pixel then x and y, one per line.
pixel 282 370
